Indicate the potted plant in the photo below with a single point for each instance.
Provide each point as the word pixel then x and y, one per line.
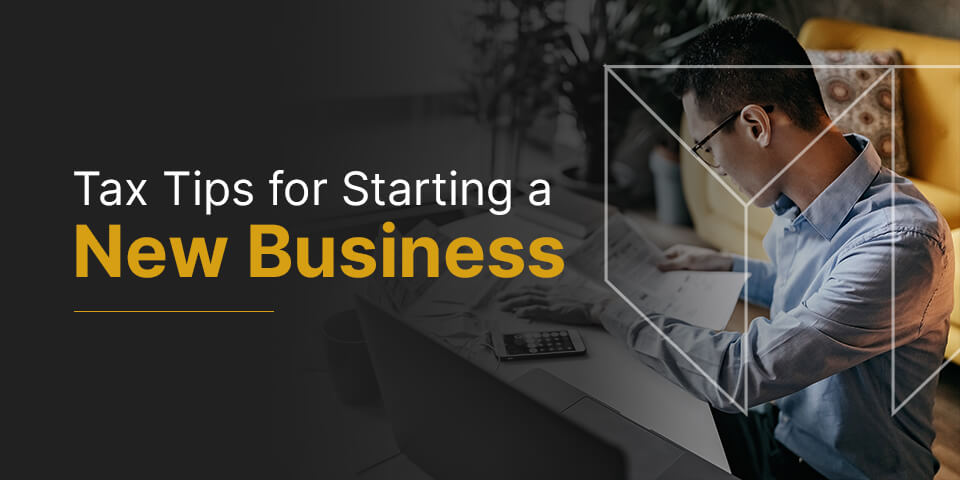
pixel 511 81
pixel 546 57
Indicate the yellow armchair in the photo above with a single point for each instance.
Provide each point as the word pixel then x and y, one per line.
pixel 932 130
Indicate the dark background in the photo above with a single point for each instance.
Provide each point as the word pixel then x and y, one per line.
pixel 236 90
pixel 132 89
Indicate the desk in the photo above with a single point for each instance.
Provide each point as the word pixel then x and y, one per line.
pixel 609 371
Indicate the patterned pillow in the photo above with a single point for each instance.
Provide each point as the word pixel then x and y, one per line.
pixel 870 116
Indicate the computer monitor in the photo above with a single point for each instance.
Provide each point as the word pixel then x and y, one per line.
pixel 457 421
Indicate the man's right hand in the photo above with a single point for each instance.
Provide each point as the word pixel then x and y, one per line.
pixel 688 257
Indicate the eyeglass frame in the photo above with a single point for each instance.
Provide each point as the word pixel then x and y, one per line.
pixel 697 146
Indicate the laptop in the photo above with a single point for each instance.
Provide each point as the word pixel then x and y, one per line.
pixel 458 421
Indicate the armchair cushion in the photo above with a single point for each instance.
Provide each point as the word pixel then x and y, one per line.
pixel 877 115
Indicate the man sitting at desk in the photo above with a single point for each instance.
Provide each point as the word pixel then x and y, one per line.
pixel 844 225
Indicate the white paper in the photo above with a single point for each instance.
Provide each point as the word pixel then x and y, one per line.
pixel 706 299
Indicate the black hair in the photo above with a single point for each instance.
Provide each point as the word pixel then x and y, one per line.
pixel 750 39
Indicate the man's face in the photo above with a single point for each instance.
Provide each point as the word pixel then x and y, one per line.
pixel 737 151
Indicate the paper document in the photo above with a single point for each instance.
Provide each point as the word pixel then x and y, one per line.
pixel 706 299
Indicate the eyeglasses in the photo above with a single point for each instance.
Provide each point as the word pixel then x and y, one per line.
pixel 697 146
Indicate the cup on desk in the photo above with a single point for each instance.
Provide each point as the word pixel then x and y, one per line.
pixel 349 361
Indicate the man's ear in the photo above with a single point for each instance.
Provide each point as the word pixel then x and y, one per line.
pixel 757 123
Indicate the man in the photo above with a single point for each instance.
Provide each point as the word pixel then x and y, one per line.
pixel 844 225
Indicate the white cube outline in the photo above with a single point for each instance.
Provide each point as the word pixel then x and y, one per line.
pixel 608 71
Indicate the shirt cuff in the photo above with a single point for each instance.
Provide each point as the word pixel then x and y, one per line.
pixel 739 263
pixel 615 316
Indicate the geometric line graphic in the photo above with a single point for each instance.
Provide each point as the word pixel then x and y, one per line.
pixel 609 71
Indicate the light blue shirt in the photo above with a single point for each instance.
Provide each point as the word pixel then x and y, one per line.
pixel 825 354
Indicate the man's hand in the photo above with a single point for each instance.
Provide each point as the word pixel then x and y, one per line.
pixel 687 257
pixel 542 303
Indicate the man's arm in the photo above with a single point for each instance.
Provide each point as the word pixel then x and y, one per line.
pixel 846 322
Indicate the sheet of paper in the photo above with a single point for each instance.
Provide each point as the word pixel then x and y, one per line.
pixel 706 299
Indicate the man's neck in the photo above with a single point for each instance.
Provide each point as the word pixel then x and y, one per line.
pixel 819 166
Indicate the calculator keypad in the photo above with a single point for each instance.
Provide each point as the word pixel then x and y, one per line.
pixel 532 343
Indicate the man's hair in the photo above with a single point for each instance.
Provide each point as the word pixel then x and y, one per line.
pixel 750 39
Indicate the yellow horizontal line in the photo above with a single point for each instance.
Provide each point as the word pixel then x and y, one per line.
pixel 174 311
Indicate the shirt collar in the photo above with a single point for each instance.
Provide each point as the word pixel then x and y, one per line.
pixel 831 207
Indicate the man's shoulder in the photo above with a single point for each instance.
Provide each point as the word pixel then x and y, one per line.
pixel 893 208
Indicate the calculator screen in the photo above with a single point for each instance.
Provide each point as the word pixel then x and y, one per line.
pixel 533 343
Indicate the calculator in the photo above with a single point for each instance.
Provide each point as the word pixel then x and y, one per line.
pixel 548 343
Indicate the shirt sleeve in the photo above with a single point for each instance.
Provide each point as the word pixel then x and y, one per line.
pixel 846 322
pixel 759 286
